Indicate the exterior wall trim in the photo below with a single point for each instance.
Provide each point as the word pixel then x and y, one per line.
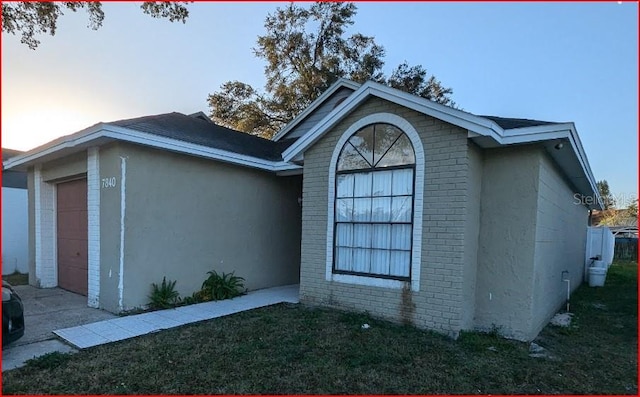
pixel 416 253
pixel 93 234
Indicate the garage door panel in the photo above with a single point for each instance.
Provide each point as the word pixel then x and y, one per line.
pixel 72 239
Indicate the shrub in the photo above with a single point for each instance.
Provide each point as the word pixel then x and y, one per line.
pixel 164 296
pixel 225 286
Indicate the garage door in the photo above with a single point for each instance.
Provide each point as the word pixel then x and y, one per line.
pixel 72 236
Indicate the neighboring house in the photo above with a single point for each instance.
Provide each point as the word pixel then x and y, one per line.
pixel 15 248
pixel 411 210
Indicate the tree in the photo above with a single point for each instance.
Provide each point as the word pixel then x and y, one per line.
pixel 29 18
pixel 605 194
pixel 306 50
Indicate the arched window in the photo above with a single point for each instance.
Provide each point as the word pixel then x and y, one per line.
pixel 374 204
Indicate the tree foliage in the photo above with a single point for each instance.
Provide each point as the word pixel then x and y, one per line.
pixel 31 18
pixel 306 49
pixel 607 198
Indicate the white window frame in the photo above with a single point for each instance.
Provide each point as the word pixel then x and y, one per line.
pixel 416 252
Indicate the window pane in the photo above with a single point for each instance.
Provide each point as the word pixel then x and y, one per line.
pixel 344 258
pixel 362 184
pixel 386 134
pixel 380 261
pixel 362 210
pixel 345 185
pixel 344 210
pixel 350 159
pixel 363 141
pixel 401 209
pixel 361 260
pixel 344 235
pixel 399 265
pixel 381 236
pixel 362 235
pixel 401 153
pixel 382 183
pixel 401 237
pixel 402 182
pixel 381 209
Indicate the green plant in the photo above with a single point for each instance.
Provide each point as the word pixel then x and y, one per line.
pixel 225 286
pixel 164 296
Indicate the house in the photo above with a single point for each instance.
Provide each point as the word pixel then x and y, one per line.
pixel 372 199
pixel 14 218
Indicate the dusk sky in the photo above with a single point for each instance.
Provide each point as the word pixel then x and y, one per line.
pixel 551 61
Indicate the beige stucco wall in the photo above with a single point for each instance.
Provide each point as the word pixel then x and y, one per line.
pixel 439 303
pixel 110 199
pixel 185 216
pixel 66 167
pixel 507 240
pixel 560 244
pixel 531 231
pixel 472 233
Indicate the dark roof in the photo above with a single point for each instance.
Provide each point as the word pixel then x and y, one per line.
pixel 509 123
pixel 195 130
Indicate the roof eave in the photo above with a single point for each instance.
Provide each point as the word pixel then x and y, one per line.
pixel 102 132
pixel 475 125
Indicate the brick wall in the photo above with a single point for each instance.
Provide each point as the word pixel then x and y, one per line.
pixel 93 214
pixel 439 303
pixel 45 256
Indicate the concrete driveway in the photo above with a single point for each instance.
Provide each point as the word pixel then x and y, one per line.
pixel 46 310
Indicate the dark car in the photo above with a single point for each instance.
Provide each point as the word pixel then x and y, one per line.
pixel 12 315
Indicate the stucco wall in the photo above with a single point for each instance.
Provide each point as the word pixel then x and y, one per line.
pixel 439 304
pixel 65 167
pixel 508 212
pixel 110 200
pixel 185 216
pixel 472 233
pixel 560 243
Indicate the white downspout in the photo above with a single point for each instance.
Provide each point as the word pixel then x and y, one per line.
pixel 123 186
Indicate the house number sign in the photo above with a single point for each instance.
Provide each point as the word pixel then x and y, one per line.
pixel 108 182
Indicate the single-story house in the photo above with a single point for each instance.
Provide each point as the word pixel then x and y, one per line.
pixel 372 199
pixel 15 252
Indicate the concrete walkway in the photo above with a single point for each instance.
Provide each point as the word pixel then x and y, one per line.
pixel 116 329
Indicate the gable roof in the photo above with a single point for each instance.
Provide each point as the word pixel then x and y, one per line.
pixel 170 131
pixel 340 83
pixel 486 131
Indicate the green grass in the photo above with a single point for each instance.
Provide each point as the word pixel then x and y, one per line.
pixel 292 349
pixel 17 278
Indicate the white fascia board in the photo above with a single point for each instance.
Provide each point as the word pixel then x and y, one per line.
pixel 342 82
pixel 127 135
pixel 465 120
pixel 68 141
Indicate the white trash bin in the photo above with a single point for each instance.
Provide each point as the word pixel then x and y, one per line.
pixel 597 275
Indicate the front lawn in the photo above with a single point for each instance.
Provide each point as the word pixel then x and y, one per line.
pixel 292 349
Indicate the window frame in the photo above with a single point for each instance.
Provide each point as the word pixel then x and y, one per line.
pixel 418 204
pixel 373 169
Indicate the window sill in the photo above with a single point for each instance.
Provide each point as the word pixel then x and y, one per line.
pixel 372 281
